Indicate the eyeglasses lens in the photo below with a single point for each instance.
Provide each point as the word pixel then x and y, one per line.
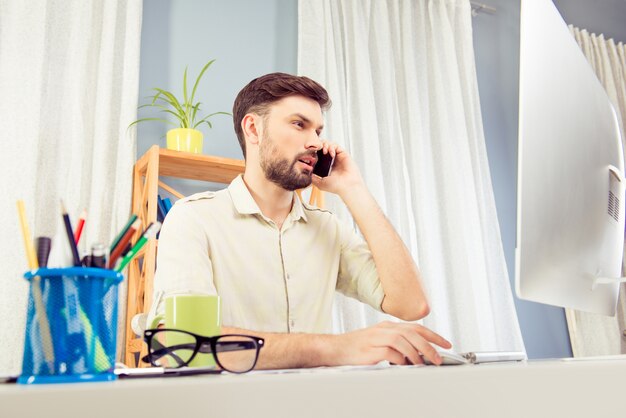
pixel 236 354
pixel 172 348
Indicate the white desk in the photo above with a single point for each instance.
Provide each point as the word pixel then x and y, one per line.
pixel 535 389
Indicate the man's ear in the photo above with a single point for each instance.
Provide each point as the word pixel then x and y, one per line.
pixel 251 126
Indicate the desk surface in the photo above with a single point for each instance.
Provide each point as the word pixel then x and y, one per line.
pixel 591 388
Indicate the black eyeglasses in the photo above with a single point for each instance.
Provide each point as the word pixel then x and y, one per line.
pixel 175 348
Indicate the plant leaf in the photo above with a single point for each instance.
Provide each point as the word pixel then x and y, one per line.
pixel 165 109
pixel 156 97
pixel 149 119
pixel 171 112
pixel 196 107
pixel 179 116
pixel 203 120
pixel 172 100
pixel 195 86
pixel 167 103
pixel 185 87
pixel 206 118
pixel 185 99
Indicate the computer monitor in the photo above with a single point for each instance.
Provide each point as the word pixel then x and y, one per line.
pixel 570 197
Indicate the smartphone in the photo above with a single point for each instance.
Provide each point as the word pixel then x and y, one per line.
pixel 324 164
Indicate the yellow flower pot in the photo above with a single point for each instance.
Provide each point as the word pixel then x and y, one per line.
pixel 185 139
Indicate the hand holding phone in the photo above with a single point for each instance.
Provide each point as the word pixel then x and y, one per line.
pixel 324 164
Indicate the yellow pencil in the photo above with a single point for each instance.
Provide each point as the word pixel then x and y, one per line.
pixel 40 309
pixel 28 243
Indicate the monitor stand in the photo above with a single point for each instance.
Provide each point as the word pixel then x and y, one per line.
pixel 606 280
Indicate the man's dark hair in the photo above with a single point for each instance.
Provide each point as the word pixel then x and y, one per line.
pixel 261 92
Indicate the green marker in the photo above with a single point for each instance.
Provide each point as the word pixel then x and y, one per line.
pixel 150 232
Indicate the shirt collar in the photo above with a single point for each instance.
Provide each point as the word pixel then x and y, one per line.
pixel 297 210
pixel 244 202
pixel 241 197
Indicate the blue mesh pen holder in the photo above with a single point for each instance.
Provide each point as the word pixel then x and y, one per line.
pixel 71 325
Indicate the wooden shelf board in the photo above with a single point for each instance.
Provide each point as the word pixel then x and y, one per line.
pixel 197 166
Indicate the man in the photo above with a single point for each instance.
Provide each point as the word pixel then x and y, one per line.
pixel 276 262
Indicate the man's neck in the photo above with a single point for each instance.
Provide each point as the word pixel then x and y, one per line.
pixel 273 201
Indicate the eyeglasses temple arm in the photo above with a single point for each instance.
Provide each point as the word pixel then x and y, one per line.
pixel 162 351
pixel 225 346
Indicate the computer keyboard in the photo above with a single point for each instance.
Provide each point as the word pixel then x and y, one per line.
pixel 453 358
pixel 449 358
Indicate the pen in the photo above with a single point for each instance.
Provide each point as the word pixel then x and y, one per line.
pixel 80 225
pixel 98 256
pixel 127 249
pixel 43 250
pixel 70 235
pixel 163 372
pixel 150 232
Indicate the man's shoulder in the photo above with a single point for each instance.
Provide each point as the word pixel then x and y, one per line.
pixel 208 198
pixel 312 210
pixel 203 196
pixel 197 196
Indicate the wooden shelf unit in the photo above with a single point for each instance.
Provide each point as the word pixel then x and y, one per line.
pixel 157 162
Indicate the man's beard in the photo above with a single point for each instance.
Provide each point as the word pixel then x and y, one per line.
pixel 279 170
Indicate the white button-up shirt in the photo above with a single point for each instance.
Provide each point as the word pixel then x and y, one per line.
pixel 269 279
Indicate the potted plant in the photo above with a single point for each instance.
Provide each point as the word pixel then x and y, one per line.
pixel 185 136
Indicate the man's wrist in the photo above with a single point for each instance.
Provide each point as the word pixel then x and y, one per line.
pixel 354 193
pixel 323 350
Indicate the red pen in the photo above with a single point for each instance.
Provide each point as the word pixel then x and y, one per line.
pixel 80 225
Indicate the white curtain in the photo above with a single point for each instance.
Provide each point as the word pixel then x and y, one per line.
pixel 402 78
pixel 593 334
pixel 69 75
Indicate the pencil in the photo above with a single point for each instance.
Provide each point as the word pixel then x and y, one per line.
pixel 28 243
pixel 123 231
pixel 80 225
pixel 40 309
pixel 150 232
pixel 70 235
pixel 122 243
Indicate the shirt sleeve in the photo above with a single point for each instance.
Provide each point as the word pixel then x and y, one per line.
pixel 183 260
pixel 358 277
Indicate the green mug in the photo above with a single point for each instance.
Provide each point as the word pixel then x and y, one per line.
pixel 199 314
